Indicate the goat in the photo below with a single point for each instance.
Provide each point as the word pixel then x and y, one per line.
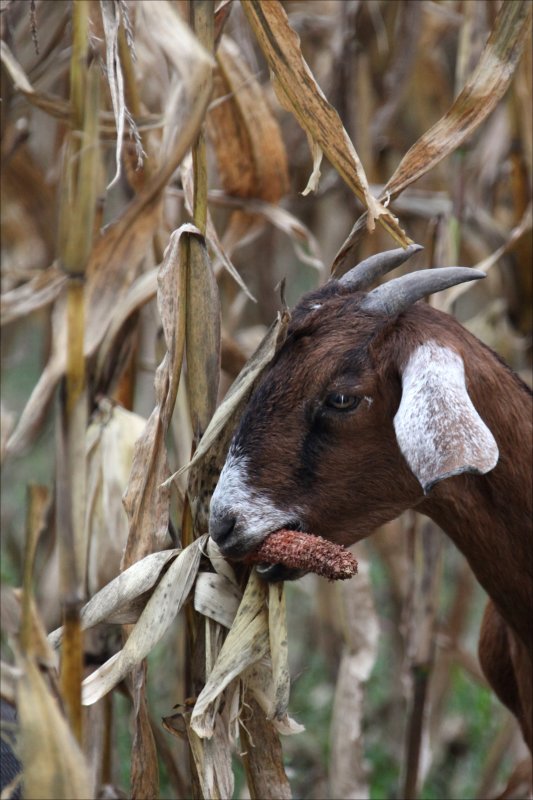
pixel 375 404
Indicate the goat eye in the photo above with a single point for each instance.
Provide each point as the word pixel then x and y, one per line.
pixel 341 402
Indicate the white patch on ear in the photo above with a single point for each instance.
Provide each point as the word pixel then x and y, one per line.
pixel 437 427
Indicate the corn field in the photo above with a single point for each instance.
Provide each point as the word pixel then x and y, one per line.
pixel 175 174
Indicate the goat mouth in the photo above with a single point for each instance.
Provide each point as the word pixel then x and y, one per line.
pixel 274 573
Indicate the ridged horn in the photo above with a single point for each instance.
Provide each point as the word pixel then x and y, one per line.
pixel 398 294
pixel 368 271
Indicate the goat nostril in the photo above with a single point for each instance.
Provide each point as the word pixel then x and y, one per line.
pixel 221 526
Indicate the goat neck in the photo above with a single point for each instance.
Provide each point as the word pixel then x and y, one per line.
pixel 487 516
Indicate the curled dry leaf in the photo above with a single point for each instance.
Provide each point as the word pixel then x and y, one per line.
pixel 481 93
pixel 147 498
pixel 251 156
pixel 278 639
pixel 202 336
pixel 298 91
pixel 213 759
pixel 217 598
pixel 117 254
pixel 110 443
pixel 303 240
pixel 219 563
pixel 246 137
pixel 211 233
pixel 258 682
pixel 37 293
pixel 114 599
pixel 161 609
pixel 115 78
pixel 53 764
pixel 246 643
pixel 219 430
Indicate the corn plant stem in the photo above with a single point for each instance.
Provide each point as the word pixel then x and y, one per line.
pixel 80 31
pixel 426 552
pixel 419 676
pixel 78 201
pixel 495 755
pixel 107 748
pixel 201 18
pixel 262 756
pixel 37 499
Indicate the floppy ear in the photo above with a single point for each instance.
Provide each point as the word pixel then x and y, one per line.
pixel 438 429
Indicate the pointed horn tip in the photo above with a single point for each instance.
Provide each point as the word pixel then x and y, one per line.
pixel 466 273
pixel 477 274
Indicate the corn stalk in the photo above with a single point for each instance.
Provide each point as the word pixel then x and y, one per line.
pixel 78 202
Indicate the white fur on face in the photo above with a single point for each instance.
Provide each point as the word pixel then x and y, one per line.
pixel 255 514
pixel 439 431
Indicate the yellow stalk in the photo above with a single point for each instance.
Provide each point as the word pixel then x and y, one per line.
pixel 78 203
pixel 36 504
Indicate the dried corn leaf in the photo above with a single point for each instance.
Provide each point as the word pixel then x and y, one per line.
pixel 115 78
pixel 477 99
pixel 53 765
pixel 246 643
pixel 277 629
pixel 35 638
pixel 54 106
pixel 481 93
pixel 245 135
pixel 116 256
pixel 202 336
pixel 32 296
pixel 219 563
pixel 110 443
pixel 525 225
pixel 250 153
pixel 217 598
pixel 298 91
pixel 212 759
pixel 259 683
pixel 190 89
pixel 211 233
pixel 161 609
pixel 120 594
pixel 140 292
pixel 303 240
pixel 144 762
pixel 219 426
pixel 146 499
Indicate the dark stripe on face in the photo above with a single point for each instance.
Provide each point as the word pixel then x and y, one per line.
pixel 314 445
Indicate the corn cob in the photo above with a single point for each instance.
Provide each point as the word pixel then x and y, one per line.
pixel 304 551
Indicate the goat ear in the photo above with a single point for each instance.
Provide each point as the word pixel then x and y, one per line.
pixel 437 427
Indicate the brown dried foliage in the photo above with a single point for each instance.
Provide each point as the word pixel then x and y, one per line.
pixel 404 84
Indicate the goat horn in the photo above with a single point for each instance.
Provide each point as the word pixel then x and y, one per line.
pixel 369 270
pixel 398 294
